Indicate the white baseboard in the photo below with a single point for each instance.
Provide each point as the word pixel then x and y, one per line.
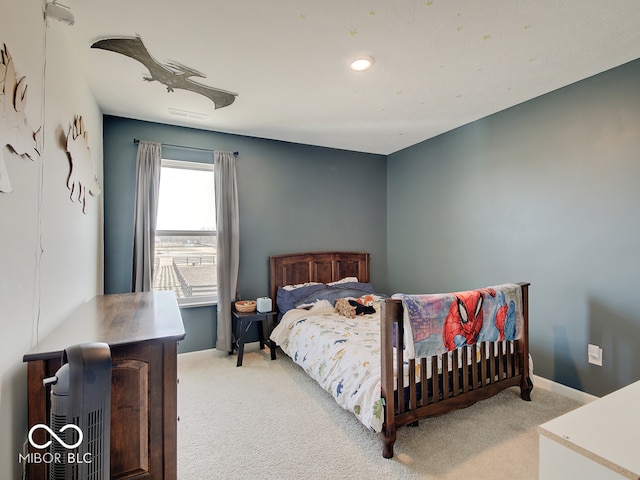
pixel 555 387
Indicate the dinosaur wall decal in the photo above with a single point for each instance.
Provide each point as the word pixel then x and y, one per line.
pixel 15 131
pixel 173 74
pixel 81 177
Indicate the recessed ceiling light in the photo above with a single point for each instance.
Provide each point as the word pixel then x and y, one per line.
pixel 362 63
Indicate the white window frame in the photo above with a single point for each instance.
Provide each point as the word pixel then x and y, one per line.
pixel 199 300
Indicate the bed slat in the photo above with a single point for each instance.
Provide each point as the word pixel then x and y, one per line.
pixel 474 366
pixel 492 363
pixel 444 376
pixel 465 370
pixel 455 373
pixel 424 383
pixel 413 402
pixel 435 389
pixel 400 368
pixel 483 364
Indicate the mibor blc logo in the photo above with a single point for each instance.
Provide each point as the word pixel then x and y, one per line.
pixel 55 457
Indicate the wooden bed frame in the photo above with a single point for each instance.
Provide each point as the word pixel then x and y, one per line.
pixel 478 375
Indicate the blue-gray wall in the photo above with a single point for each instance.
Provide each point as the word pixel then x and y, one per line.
pixel 546 192
pixel 292 198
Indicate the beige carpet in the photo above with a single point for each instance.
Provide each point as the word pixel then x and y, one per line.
pixel 268 419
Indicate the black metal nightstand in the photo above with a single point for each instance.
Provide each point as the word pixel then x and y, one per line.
pixel 241 323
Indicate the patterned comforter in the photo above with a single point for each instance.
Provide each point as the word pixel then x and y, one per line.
pixel 317 340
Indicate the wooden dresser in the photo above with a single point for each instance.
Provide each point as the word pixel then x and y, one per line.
pixel 142 330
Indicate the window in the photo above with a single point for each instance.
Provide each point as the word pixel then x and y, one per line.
pixel 185 247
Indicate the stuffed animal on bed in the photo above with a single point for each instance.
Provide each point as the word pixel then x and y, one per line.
pixel 350 308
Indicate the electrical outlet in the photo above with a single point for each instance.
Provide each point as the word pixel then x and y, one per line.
pixel 594 355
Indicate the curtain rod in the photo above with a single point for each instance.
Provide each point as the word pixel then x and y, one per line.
pixel 136 141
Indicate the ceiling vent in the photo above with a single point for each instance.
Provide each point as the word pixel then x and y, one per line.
pixel 188 114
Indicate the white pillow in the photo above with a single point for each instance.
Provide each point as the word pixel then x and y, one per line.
pixel 344 280
pixel 299 285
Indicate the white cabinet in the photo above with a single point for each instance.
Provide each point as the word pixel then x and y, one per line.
pixel 598 441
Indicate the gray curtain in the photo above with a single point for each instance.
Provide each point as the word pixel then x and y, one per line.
pixel 148 164
pixel 228 241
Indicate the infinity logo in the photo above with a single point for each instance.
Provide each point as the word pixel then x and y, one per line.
pixel 53 434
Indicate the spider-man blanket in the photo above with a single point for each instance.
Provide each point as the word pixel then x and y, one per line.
pixel 441 322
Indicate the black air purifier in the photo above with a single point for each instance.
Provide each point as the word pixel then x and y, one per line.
pixel 81 414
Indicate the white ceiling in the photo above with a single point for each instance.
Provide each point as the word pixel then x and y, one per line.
pixel 439 64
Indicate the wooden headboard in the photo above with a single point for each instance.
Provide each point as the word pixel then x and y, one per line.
pixel 322 267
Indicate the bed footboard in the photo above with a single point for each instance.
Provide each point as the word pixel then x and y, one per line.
pixel 467 376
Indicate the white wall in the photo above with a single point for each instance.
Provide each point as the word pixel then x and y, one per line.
pixel 50 252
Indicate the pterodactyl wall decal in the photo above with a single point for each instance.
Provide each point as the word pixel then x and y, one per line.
pixel 173 74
